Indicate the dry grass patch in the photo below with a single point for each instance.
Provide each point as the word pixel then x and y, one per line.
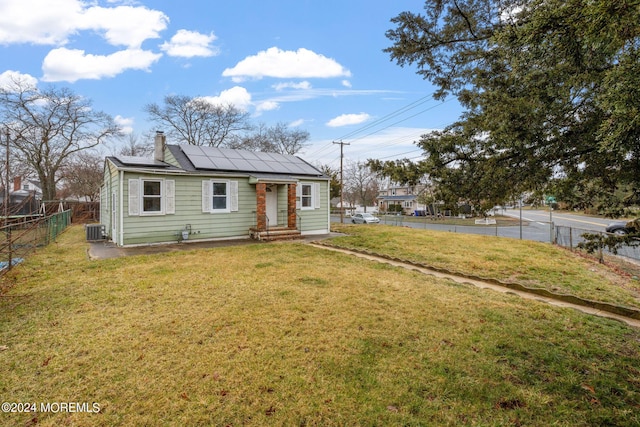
pixel 288 334
pixel 530 263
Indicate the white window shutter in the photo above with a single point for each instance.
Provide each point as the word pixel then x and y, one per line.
pixel 170 196
pixel 233 196
pixel 207 196
pixel 316 195
pixel 298 195
pixel 134 197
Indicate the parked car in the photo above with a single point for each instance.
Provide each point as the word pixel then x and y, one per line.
pixel 364 218
pixel 621 227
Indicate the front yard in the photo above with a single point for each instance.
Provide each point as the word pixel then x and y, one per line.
pixel 288 334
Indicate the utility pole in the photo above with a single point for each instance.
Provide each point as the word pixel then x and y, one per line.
pixel 6 184
pixel 342 144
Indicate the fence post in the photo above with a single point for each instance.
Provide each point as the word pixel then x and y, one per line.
pixel 571 238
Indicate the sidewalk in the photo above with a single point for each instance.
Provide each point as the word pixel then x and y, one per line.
pixel 106 250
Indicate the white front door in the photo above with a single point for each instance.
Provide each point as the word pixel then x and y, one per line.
pixel 114 217
pixel 272 205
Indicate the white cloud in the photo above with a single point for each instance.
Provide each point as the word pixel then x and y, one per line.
pixel 10 79
pixel 292 85
pixel 126 124
pixel 346 83
pixel 38 21
pixel 70 65
pixel 267 106
pixel 348 119
pixel 49 22
pixel 277 63
pixel 296 123
pixel 237 96
pixel 124 25
pixel 188 44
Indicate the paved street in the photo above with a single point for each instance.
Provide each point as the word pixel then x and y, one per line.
pixel 536 224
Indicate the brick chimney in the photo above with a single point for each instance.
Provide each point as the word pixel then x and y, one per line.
pixel 17 183
pixel 159 145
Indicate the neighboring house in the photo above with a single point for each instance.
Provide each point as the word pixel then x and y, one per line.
pixel 189 192
pixel 27 186
pixel 25 199
pixel 400 199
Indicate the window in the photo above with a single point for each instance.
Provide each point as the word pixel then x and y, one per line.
pixel 219 196
pixel 220 191
pixel 151 196
pixel 307 196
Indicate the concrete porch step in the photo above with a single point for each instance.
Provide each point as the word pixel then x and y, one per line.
pixel 274 234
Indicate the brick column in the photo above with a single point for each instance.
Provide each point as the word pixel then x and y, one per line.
pixel 291 205
pixel 261 206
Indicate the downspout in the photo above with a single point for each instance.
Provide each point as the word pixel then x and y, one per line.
pixel 329 206
pixel 121 209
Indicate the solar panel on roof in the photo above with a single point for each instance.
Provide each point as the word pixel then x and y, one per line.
pixel 201 162
pixel 140 161
pixel 214 158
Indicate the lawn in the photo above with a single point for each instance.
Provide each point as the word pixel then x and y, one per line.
pixel 533 264
pixel 289 334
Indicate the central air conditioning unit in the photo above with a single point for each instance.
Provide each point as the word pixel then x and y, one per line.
pixel 95 232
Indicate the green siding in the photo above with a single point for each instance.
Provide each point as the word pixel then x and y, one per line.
pixel 316 221
pixel 149 229
pixel 188 201
pixel 110 182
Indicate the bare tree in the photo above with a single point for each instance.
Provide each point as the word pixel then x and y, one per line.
pixel 287 141
pixel 82 176
pixel 257 140
pixel 276 139
pixel 49 126
pixel 197 121
pixel 133 146
pixel 361 184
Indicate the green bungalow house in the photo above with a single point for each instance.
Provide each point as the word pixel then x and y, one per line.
pixel 194 193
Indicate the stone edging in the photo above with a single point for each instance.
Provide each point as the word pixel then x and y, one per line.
pixel 603 306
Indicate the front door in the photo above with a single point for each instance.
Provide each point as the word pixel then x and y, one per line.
pixel 271 201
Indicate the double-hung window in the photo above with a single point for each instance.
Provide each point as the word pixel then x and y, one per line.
pixel 220 201
pixel 219 196
pixel 151 196
pixel 308 195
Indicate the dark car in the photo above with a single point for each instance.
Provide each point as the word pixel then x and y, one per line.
pixel 622 227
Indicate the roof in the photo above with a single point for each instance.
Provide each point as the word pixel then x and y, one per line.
pixel 392 198
pixel 124 162
pixel 202 160
pixel 198 158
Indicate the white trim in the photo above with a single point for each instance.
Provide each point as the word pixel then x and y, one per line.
pixel 161 197
pixel 170 196
pixel 134 197
pixel 120 240
pixel 231 196
pixel 314 196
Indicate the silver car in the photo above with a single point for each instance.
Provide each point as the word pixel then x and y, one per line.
pixel 364 218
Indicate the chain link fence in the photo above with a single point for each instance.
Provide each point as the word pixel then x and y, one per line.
pixel 23 235
pixel 571 237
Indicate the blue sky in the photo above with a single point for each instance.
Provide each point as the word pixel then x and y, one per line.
pixel 317 65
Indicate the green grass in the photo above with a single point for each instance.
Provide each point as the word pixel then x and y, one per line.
pixel 289 334
pixel 533 264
